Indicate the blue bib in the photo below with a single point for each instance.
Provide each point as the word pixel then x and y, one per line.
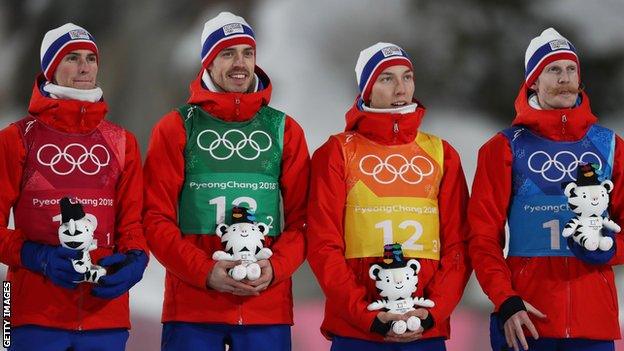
pixel 539 209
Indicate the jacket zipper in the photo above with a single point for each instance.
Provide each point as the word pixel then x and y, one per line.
pixel 395 129
pixel 80 308
pixel 237 103
pixel 240 311
pixel 564 120
pixel 525 263
pixel 569 300
pixel 83 110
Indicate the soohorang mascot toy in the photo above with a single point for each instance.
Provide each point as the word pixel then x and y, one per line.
pixel 396 280
pixel 588 198
pixel 77 232
pixel 243 240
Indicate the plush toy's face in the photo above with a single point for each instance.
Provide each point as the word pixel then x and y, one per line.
pixel 77 235
pixel 396 283
pixel 589 199
pixel 240 236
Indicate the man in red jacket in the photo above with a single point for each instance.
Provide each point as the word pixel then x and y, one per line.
pixel 65 148
pixel 562 294
pixel 384 181
pixel 226 148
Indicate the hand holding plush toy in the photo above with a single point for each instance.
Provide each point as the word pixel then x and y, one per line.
pixel 77 233
pixel 396 281
pixel 243 240
pixel 588 198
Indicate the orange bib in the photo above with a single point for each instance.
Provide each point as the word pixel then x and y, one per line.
pixel 392 196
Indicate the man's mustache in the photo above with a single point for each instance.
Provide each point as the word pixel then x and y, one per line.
pixel 564 89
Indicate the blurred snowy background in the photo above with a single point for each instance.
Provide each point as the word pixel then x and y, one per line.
pixel 468 58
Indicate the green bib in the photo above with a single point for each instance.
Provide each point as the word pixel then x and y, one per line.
pixel 231 164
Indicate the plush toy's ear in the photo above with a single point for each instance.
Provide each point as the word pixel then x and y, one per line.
pixel 413 264
pixel 608 185
pixel 93 219
pixel 373 272
pixel 221 229
pixel 569 190
pixel 264 229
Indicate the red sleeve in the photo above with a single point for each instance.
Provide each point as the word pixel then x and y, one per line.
pixel 164 177
pixel 616 201
pixel 129 201
pixel 325 239
pixel 12 158
pixel 449 280
pixel 289 248
pixel 487 215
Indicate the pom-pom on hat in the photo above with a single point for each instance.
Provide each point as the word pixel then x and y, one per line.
pixel 547 47
pixel 224 31
pixel 373 60
pixel 59 42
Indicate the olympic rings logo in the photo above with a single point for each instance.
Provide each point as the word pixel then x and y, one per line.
pixel 245 147
pixel 558 164
pixel 69 158
pixel 400 171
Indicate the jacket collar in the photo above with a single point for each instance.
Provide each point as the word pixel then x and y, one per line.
pixel 231 107
pixel 65 115
pixel 566 124
pixel 385 128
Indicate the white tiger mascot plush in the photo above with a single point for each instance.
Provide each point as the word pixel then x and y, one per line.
pixel 588 198
pixel 243 240
pixel 76 232
pixel 396 281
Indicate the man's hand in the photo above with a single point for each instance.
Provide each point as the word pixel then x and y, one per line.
pixel 513 327
pixel 408 336
pixel 53 262
pixel 387 317
pixel 265 278
pixel 124 271
pixel 219 280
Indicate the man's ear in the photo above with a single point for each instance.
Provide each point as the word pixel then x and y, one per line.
pixel 534 85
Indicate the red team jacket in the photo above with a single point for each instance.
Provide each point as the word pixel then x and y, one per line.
pixel 188 258
pixel 578 298
pixel 345 282
pixel 35 299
